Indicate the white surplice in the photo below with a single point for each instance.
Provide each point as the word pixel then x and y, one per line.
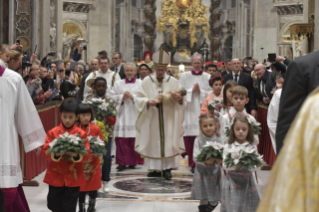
pixel 194 99
pixel 225 123
pixel 126 112
pixel 109 78
pixel 18 115
pixel 272 117
pixel 159 135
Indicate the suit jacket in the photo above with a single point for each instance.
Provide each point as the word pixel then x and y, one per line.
pixel 121 72
pixel 301 79
pixel 246 81
pixel 269 80
pixel 81 91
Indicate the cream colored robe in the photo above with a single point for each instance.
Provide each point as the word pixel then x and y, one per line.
pixel 293 184
pixel 159 131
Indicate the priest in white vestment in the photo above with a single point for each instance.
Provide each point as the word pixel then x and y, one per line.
pixel 159 136
pixel 124 95
pixel 104 71
pixel 196 83
pixel 18 116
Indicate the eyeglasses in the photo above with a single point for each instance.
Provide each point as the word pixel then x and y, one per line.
pixel 114 58
pixel 104 63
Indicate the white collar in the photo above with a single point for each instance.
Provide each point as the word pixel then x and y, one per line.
pixel 108 71
pixel 243 144
pixel 235 74
pixel 119 67
pixel 233 111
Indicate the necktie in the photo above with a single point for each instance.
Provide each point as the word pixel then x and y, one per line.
pixel 116 70
pixel 236 77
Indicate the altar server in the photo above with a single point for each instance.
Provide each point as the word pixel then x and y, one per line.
pixel 195 82
pixel 124 94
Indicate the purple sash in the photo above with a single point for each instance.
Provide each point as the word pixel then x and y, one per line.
pixel 2 69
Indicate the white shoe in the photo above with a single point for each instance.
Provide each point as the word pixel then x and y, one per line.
pixel 106 186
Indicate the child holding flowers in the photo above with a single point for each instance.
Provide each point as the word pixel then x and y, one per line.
pixel 65 147
pixel 227 97
pixel 207 154
pixel 240 159
pixel 215 98
pixel 92 168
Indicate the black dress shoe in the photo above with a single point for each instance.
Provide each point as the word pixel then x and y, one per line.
pixel 210 207
pixel 169 173
pixel 166 174
pixel 131 167
pixel 121 168
pixel 202 208
pixel 154 174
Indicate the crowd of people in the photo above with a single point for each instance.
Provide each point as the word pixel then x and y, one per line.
pixel 153 115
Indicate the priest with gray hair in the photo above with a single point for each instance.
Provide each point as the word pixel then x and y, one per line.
pixel 161 107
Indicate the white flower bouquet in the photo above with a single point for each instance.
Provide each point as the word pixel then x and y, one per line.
pixel 100 107
pixel 243 157
pixel 97 146
pixel 213 104
pixel 211 149
pixel 68 143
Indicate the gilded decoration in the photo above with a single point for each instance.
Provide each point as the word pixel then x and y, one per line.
pixel 301 29
pixel 72 29
pixel 149 24
pixel 192 14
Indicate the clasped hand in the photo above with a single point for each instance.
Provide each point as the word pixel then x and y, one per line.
pixel 211 160
pixel 196 88
pixel 73 154
pixel 127 95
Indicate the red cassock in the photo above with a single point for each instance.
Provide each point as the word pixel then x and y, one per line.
pixel 92 167
pixel 59 171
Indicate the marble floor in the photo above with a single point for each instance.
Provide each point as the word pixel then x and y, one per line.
pixel 131 190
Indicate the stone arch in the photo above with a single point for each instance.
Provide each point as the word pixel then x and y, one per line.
pixel 285 31
pixel 67 24
pixel 138 47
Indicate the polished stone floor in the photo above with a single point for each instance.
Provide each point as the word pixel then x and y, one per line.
pixel 131 190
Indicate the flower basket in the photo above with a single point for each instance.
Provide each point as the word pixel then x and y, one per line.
pixel 243 158
pixel 101 108
pixel 211 149
pixel 97 146
pixel 213 104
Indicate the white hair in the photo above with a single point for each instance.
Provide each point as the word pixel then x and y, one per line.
pixel 129 64
pixel 197 55
pixel 81 67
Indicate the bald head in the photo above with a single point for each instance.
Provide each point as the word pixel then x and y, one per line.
pixel 95 64
pixel 259 70
pixel 236 64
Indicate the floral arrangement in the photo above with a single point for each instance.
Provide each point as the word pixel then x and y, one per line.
pixel 255 125
pixel 100 107
pixel 247 158
pixel 211 149
pixel 97 146
pixel 213 104
pixel 68 143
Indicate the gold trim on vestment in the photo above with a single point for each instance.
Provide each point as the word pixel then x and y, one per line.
pixel 262 105
pixel 161 56
pixel 161 124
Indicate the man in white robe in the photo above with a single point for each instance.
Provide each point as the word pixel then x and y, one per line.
pixel 159 136
pixel 18 115
pixel 195 82
pixel 104 71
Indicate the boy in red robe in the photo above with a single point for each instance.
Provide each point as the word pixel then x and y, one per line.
pixel 65 178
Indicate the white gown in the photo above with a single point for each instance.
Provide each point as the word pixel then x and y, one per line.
pixel 18 115
pixel 194 100
pixel 159 135
pixel 126 113
pixel 272 117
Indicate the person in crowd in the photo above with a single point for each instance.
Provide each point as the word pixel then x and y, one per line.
pixel 15 61
pixel 67 64
pixel 79 74
pixel 5 55
pixel 273 109
pixel 229 68
pixel 227 98
pixel 239 190
pixel 92 167
pixel 216 82
pixel 147 59
pixel 19 117
pixel 245 80
pixel 77 55
pixel 144 71
pixel 101 54
pixel 118 67
pixel 239 100
pixel 94 67
pixel 266 81
pixel 110 76
pixel 207 180
pixel 100 86
pixel 159 127
pixel 34 86
pixel 68 86
pixel 124 94
pixel 211 69
pixel 197 86
pixel 221 67
pixel 47 81
pixel 65 177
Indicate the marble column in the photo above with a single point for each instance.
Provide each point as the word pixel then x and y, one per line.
pixel 316 35
pixel 11 23
pixel 159 35
pixel 35 27
pixel 59 25
pixel 1 21
pixel 306 11
pixel 44 18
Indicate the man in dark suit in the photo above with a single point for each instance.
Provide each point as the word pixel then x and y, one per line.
pixel 228 69
pixel 118 67
pixel 301 79
pixel 245 80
